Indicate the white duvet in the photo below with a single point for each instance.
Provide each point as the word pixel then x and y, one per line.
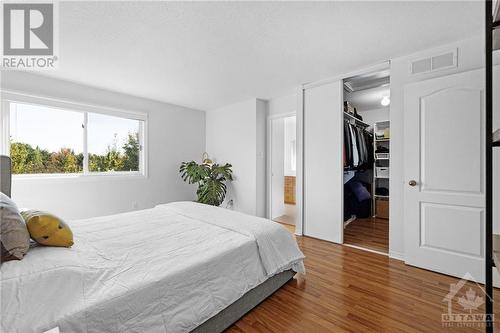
pixel 166 269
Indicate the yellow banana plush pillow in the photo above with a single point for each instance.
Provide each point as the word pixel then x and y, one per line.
pixel 47 229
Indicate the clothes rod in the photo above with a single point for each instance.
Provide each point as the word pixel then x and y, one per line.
pixel 354 120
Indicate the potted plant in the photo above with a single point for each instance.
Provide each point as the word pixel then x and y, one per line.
pixel 211 179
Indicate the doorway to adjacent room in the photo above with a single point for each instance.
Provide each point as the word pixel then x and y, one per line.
pixel 283 161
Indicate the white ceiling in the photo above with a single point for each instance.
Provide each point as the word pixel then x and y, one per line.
pixel 209 54
pixel 369 99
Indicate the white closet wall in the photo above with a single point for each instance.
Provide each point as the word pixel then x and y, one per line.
pixel 323 162
pixel 372 116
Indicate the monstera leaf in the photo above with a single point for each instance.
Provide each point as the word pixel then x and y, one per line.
pixel 193 172
pixel 210 179
pixel 212 192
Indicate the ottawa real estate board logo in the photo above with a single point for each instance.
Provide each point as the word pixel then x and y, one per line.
pixel 29 36
pixel 465 305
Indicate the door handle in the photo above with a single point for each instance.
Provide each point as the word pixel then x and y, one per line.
pixel 412 183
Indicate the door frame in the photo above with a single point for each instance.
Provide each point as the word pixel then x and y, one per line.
pixel 269 152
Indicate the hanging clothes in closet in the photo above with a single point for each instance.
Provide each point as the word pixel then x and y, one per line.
pixel 358 147
pixel 358 162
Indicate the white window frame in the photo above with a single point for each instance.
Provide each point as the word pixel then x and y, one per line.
pixel 9 97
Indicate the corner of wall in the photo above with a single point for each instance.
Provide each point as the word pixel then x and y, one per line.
pixel 261 139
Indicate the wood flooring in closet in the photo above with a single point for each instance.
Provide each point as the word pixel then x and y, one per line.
pixel 351 290
pixel 370 233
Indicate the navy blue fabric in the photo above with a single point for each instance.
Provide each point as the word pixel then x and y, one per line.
pixel 359 191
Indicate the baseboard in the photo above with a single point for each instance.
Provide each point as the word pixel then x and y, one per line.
pixel 397 255
pixel 365 249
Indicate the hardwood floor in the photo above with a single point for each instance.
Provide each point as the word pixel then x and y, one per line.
pixel 370 233
pixel 288 227
pixel 285 219
pixel 351 290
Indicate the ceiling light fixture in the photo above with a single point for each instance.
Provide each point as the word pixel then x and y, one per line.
pixel 385 101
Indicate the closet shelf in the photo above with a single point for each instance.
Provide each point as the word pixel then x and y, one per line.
pixel 380 202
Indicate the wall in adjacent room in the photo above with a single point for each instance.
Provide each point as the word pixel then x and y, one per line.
pixel 175 134
pixel 236 134
pixel 290 140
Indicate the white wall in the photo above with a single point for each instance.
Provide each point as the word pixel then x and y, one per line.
pixel 260 163
pixel 235 134
pixel 283 105
pixel 175 134
pixel 372 116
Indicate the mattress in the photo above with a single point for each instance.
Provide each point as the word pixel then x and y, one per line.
pixel 166 269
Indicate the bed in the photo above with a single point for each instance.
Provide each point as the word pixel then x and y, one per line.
pixel 178 267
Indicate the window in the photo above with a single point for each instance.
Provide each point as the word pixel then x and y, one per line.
pixel 43 139
pixel 113 143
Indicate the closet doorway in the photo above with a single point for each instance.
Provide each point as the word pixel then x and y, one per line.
pixel 367 161
pixel 283 161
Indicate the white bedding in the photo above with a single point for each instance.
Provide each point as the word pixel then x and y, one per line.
pixel 166 269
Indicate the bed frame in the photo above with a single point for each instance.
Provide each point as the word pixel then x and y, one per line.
pixel 5 174
pixel 247 302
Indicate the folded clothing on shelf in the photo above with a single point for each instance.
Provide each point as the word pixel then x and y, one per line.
pixel 382 191
pixel 382 149
pixel 382 155
pixel 379 134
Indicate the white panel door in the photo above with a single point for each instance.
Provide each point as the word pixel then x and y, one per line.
pixel 323 167
pixel 444 170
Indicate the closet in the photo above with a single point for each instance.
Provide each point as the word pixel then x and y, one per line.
pixel 366 176
pixel 346 160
